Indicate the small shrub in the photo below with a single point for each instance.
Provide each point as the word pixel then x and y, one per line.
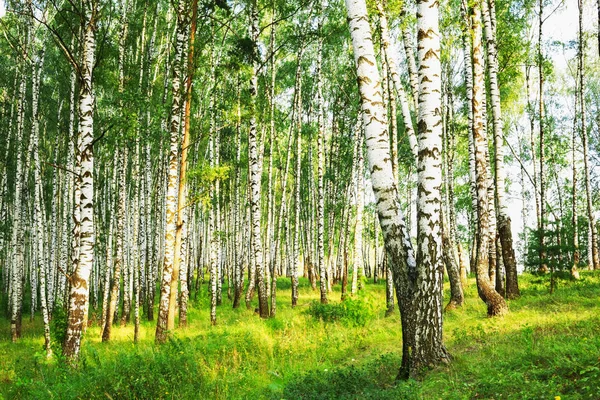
pixel 58 328
pixel 351 312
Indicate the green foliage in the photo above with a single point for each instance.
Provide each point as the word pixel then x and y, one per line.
pixel 58 328
pixel 204 176
pixel 351 312
pixel 558 244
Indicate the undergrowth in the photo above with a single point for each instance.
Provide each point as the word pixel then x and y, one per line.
pixel 547 346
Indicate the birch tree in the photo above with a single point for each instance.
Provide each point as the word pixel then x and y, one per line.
pixel 79 279
pixel 495 303
pixel 418 288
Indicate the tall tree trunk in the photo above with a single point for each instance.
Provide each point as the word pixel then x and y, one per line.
pixel 237 268
pixel 269 256
pixel 126 265
pixel 389 102
pixel 542 183
pixel 450 255
pixel 39 201
pixel 576 256
pixel 119 259
pixel 108 288
pixel 255 177
pixel 16 284
pixel 79 291
pixel 296 250
pixel 360 202
pixel 495 303
pixel 212 212
pixel 405 108
pixel 503 219
pixel 468 50
pixel 181 198
pixel 168 274
pixel 321 174
pixel 419 291
pixel 428 300
pixel 531 112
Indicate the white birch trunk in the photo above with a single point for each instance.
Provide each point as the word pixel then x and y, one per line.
pixel 171 196
pixel 79 292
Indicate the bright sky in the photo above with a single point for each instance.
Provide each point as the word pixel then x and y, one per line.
pixel 2 9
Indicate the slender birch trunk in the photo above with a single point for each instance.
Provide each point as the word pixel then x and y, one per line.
pixel 238 270
pixel 530 111
pixel 79 291
pixel 409 52
pixel 389 60
pixel 542 183
pixel 450 255
pixel 468 50
pixel 119 258
pixel 296 248
pixel 450 159
pixel 254 173
pixel 576 255
pixel 181 198
pixel 495 303
pixel 109 256
pixel 168 274
pixel 39 202
pixel 389 101
pixel 357 272
pixel 321 173
pixel 16 284
pixel 503 219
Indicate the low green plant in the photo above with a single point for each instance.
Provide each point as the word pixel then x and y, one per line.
pixel 58 329
pixel 351 311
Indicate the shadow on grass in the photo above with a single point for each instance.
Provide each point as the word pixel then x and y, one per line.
pixel 370 380
pixel 533 362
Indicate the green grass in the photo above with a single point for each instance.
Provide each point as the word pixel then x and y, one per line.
pixel 547 346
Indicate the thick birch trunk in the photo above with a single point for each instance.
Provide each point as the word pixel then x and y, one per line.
pixel 79 279
pixel 419 291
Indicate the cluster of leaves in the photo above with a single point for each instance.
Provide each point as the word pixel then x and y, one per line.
pixel 351 312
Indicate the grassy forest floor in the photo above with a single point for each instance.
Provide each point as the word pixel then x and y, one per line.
pixel 549 345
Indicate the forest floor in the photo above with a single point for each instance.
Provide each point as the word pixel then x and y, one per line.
pixel 547 347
